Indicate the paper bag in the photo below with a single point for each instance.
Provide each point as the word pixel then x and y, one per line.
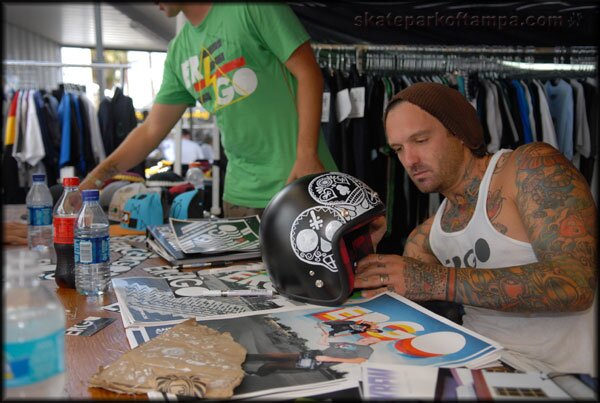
pixel 187 360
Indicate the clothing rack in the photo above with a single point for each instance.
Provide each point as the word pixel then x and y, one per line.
pixel 437 58
pixel 72 87
pixel 35 63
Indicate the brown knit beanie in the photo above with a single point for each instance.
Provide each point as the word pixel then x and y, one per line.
pixel 447 105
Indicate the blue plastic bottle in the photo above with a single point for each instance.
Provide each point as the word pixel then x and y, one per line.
pixel 91 243
pixel 39 210
pixel 34 332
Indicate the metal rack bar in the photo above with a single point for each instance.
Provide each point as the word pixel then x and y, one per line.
pixel 56 64
pixel 417 55
pixel 35 63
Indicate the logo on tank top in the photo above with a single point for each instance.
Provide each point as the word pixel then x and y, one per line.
pixel 479 253
pixel 218 82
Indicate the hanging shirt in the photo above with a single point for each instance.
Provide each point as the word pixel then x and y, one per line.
pixel 18 137
pixel 535 339
pixel 9 128
pixel 560 102
pixel 51 157
pixel 523 111
pixel 234 64
pixel 80 130
pixel 33 147
pixel 94 127
pixel 64 115
pixel 582 129
pixel 13 192
pixel 548 131
pixel 493 117
pixel 510 135
pixel 530 116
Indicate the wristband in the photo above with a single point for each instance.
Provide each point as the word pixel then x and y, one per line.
pixel 97 182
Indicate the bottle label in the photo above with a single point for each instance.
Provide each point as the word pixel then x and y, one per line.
pixel 64 228
pixel 91 250
pixel 34 360
pixel 39 216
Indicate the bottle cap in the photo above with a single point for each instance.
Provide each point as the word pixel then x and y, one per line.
pixel 90 195
pixel 195 164
pixel 38 177
pixel 71 181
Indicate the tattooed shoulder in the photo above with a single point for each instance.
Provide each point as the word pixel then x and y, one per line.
pixel 417 244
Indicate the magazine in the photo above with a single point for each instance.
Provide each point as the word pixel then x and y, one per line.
pixel 313 348
pixel 217 236
pixel 390 381
pixel 167 295
pixel 163 242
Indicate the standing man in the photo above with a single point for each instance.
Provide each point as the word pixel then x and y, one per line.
pixel 514 240
pixel 252 66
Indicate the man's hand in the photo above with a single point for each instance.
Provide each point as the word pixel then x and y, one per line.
pixel 15 233
pixel 305 166
pixel 415 280
pixel 90 182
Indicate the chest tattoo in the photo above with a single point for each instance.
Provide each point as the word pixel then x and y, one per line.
pixel 458 215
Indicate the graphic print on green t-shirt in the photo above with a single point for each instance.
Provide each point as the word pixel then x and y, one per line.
pixel 224 81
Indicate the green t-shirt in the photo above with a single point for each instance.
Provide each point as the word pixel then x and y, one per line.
pixel 233 63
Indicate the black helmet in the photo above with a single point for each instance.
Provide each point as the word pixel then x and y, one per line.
pixel 312 233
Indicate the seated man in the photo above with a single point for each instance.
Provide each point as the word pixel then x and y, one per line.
pixel 514 241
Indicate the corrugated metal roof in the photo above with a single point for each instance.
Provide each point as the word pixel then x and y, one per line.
pixel 128 26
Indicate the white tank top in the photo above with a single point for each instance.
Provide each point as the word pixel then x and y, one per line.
pixel 555 342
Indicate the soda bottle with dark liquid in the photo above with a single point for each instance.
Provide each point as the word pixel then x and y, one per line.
pixel 64 218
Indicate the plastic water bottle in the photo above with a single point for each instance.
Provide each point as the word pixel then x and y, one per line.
pixel 92 252
pixel 39 209
pixel 195 175
pixel 34 331
pixel 65 215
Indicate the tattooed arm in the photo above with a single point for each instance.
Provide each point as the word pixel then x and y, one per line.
pixel 417 275
pixel 556 208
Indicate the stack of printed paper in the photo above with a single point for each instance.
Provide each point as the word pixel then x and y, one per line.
pixel 294 349
pixel 206 240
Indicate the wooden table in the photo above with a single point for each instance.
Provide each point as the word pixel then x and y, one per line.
pixel 84 355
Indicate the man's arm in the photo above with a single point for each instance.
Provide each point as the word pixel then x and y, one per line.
pixel 559 214
pixel 14 233
pixel 303 66
pixel 137 145
pixel 417 243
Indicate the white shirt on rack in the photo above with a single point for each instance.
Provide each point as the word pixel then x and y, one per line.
pixel 548 134
pixel 190 150
pixel 95 133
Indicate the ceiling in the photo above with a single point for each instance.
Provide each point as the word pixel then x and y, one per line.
pixel 142 26
pixel 130 26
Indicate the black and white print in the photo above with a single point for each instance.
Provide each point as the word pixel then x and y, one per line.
pixel 217 236
pixel 341 199
pixel 169 296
